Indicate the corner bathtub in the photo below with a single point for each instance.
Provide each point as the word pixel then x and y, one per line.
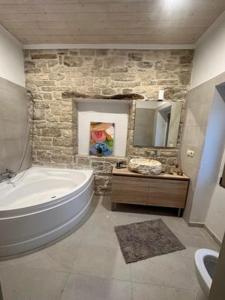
pixel 41 204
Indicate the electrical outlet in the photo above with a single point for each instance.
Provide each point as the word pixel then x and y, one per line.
pixel 190 153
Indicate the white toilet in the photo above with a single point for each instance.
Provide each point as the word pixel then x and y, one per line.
pixel 205 262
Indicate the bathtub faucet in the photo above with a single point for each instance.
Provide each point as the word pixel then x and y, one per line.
pixel 7 174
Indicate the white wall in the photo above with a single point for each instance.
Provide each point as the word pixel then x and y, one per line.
pixel 116 113
pixel 210 161
pixel 11 58
pixel 209 59
pixel 209 62
pixel 215 219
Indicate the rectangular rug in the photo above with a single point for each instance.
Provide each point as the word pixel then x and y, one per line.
pixel 143 240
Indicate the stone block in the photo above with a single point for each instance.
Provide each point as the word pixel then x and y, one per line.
pixel 168 82
pixel 74 52
pixel 30 67
pixel 145 64
pixel 172 161
pixel 168 153
pixel 73 61
pixel 51 131
pixel 65 142
pixel 101 167
pixel 186 59
pixel 87 52
pixel 83 161
pixel 136 56
pixel 56 76
pixel 39 114
pixel 108 91
pixel 159 65
pixel 102 184
pixel 101 52
pixel 123 77
pixel 41 83
pixel 185 77
pixel 47 96
pixel 120 70
pixel 44 56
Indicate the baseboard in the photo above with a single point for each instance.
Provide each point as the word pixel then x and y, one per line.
pixel 196 224
pixel 213 235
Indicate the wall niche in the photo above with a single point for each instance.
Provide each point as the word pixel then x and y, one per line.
pixel 103 111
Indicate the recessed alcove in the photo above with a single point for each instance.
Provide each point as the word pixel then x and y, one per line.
pixel 103 111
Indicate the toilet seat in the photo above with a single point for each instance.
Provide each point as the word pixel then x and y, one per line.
pixel 203 274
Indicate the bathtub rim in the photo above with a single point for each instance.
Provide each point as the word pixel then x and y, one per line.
pixel 32 209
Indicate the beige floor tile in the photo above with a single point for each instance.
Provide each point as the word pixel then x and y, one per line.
pixel 81 287
pixel 63 253
pixel 99 231
pixel 38 260
pixel 190 236
pixel 123 218
pixel 24 283
pixel 200 295
pixel 154 292
pixel 171 270
pixel 101 261
pixel 103 204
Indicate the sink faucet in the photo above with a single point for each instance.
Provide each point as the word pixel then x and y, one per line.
pixel 7 174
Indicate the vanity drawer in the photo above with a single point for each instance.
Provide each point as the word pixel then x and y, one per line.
pixel 130 190
pixel 169 193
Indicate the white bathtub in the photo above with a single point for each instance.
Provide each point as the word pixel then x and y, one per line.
pixel 40 205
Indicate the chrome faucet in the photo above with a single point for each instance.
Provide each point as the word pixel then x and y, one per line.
pixel 7 174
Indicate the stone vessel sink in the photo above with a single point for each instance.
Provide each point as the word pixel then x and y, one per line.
pixel 145 166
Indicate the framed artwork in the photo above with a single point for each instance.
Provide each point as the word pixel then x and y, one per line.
pixel 101 138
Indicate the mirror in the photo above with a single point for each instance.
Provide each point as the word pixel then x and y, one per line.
pixel 157 123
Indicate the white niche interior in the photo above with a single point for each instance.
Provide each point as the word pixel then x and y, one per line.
pixel 109 112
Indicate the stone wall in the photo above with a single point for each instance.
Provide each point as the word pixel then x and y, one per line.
pixel 53 76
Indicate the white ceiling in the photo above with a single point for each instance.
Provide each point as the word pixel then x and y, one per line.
pixel 109 21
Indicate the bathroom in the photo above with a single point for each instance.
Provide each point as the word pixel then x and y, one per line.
pixel 135 217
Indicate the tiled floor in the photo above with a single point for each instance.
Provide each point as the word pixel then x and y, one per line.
pixel 88 265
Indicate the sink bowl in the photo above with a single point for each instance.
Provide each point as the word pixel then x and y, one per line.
pixel 145 166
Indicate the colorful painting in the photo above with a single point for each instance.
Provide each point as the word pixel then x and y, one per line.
pixel 101 138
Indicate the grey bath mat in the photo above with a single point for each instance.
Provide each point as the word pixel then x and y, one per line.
pixel 143 240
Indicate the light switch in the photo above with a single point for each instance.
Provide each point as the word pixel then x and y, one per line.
pixel 190 153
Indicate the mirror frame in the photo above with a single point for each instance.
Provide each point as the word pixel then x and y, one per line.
pixel 178 126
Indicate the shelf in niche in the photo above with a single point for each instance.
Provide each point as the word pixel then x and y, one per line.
pixel 102 158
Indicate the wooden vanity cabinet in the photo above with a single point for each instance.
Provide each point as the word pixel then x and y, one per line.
pixel 162 190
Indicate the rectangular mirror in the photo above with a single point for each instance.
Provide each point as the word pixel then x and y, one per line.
pixel 157 123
